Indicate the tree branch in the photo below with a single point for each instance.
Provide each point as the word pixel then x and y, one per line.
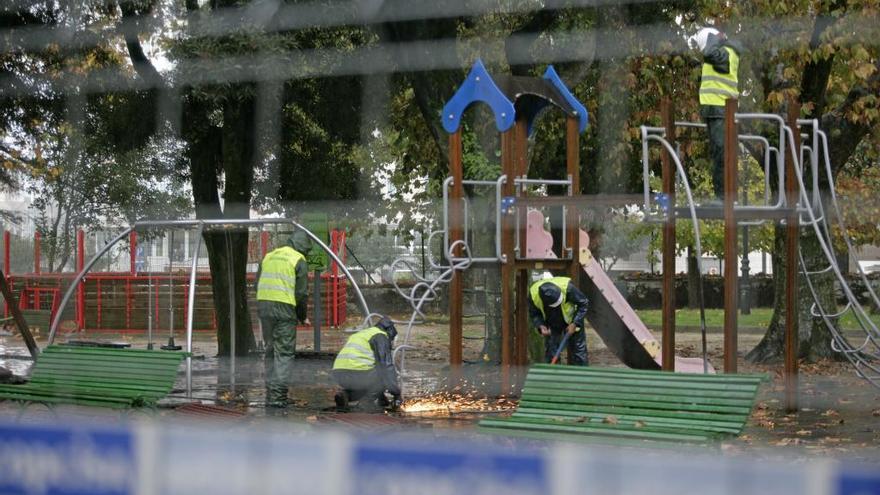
pixel 814 83
pixel 139 60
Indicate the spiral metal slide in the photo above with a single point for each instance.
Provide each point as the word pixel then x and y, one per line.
pixel 609 313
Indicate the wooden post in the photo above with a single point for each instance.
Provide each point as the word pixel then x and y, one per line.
pixel 20 322
pixel 731 289
pixel 572 168
pixel 456 223
pixel 520 159
pixel 667 354
pixel 791 254
pixel 508 168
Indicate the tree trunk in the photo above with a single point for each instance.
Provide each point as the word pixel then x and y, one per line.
pixel 230 149
pixel 813 337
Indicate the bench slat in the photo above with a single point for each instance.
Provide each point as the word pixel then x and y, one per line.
pixel 98 376
pixel 649 405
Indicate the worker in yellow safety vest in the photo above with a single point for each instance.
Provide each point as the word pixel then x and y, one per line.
pixel 364 368
pixel 282 296
pixel 557 307
pixel 718 83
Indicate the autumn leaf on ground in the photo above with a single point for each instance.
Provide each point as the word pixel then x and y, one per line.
pixel 639 424
pixel 875 412
pixel 611 420
pixel 788 441
pixel 804 432
pixel 830 412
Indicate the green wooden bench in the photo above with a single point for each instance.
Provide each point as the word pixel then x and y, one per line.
pixel 37 319
pixel 98 376
pixel 617 403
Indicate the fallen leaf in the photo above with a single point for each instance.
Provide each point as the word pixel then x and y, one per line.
pixel 804 432
pixel 312 419
pixel 611 420
pixel 831 412
pixel 580 419
pixel 875 412
pixel 639 424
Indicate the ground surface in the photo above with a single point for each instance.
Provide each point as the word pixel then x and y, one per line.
pixel 839 415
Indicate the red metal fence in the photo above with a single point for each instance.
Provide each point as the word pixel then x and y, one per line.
pixel 134 300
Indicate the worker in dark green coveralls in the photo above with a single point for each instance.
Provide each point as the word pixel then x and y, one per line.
pixel 282 296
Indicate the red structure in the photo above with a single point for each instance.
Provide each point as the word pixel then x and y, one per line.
pixel 127 301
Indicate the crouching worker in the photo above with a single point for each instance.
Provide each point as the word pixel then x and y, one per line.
pixel 365 370
pixel 557 307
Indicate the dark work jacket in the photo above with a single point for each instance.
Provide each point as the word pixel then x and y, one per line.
pixel 381 345
pixel 555 321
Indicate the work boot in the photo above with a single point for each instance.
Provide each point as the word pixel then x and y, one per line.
pixel 341 399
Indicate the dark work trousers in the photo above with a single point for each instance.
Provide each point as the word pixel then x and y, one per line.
pixel 715 134
pixel 279 334
pixel 576 347
pixel 360 384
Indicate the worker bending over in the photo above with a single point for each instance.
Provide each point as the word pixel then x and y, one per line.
pixel 282 297
pixel 557 307
pixel 364 368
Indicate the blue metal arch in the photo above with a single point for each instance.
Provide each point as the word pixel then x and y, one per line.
pixel 478 86
pixel 551 75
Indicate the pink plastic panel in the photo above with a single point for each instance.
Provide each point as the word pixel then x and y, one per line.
pixel 539 242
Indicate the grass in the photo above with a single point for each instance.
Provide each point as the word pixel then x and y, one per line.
pixel 759 318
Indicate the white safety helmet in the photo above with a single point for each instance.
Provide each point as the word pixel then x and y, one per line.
pixel 701 39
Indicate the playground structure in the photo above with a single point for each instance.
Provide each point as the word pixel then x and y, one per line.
pixel 199 226
pixel 149 292
pixel 522 244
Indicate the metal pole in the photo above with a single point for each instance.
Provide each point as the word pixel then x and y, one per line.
pixel 190 310
pixel 150 303
pixel 230 273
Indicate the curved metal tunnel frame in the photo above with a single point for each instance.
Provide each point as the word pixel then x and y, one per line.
pixel 201 226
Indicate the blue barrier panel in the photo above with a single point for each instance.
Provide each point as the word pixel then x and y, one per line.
pixel 858 482
pixel 50 459
pixel 460 469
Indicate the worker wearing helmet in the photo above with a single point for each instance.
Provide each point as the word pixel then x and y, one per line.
pixel 718 83
pixel 557 307
pixel 364 368
pixel 282 296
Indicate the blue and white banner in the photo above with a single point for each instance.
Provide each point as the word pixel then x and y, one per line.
pixel 217 459
pixel 57 459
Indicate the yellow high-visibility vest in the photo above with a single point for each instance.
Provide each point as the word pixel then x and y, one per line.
pixel 278 276
pixel 356 354
pixel 716 88
pixel 562 283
